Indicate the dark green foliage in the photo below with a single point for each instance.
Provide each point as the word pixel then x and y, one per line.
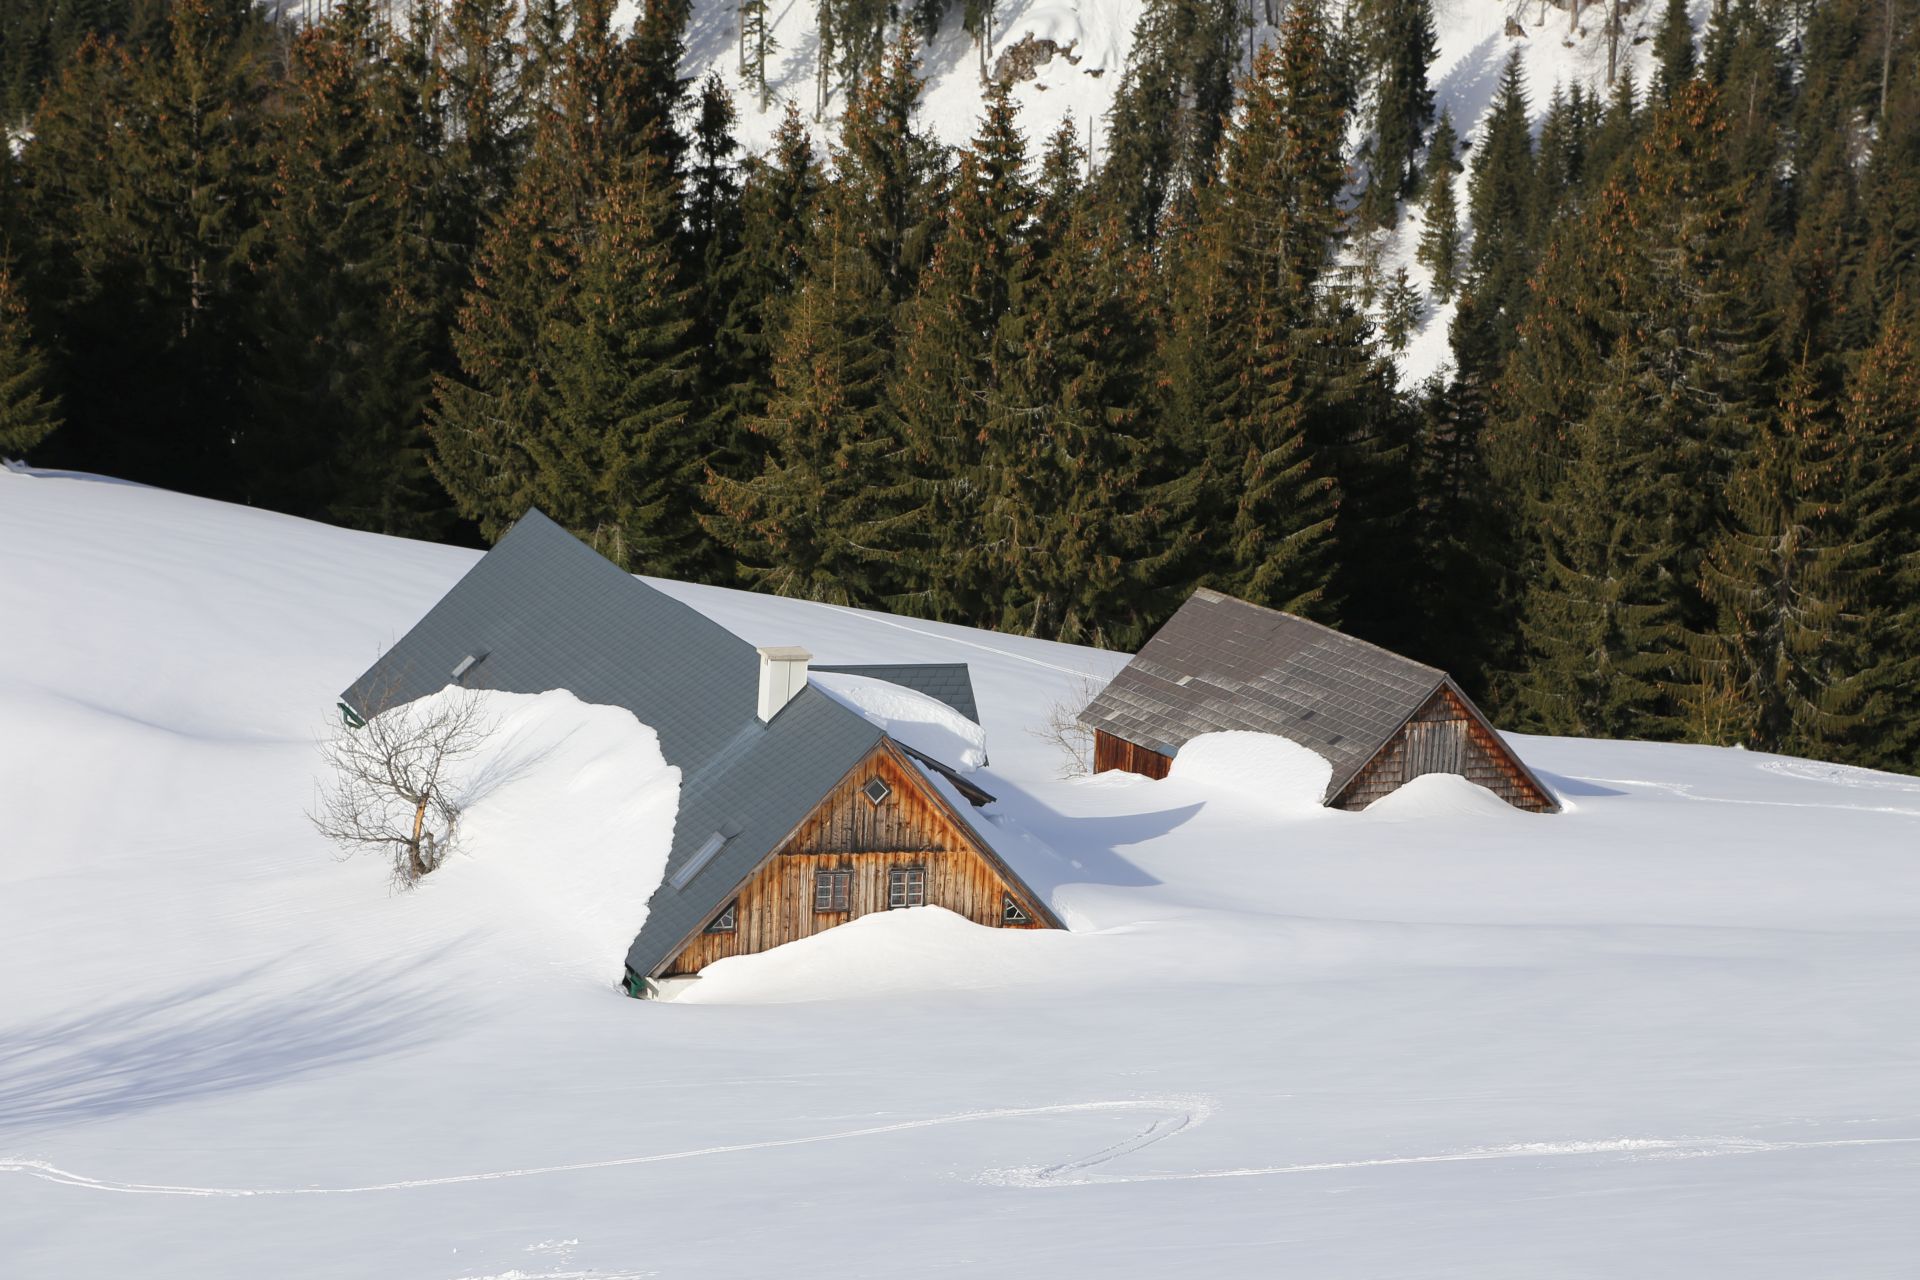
pixel 1673 54
pixel 817 521
pixel 28 414
pixel 1602 619
pixel 1783 669
pixel 1403 104
pixel 345 335
pixel 1439 248
pixel 1164 129
pixel 393 270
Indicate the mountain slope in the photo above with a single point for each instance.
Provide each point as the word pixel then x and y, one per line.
pixel 1666 1033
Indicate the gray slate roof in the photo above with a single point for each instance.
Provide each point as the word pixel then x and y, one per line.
pixel 947 682
pixel 549 613
pixel 1224 664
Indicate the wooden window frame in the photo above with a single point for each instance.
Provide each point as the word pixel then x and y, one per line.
pixel 1011 912
pixel 728 921
pixel 835 886
pixel 904 877
pixel 866 790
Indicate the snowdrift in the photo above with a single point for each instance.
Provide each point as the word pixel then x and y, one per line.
pixel 1275 773
pixel 567 819
pixel 909 717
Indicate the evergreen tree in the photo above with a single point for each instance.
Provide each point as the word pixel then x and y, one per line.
pixel 615 461
pixel 1881 407
pixel 1673 56
pixel 1500 206
pixel 576 344
pixel 1402 105
pixel 1439 248
pixel 1082 540
pixel 1788 577
pixel 1175 96
pixel 342 363
pixel 954 350
pixel 817 521
pixel 779 201
pixel 28 414
pixel 1256 352
pixel 1602 623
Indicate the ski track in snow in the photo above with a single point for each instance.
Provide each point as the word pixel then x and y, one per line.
pixel 1177 1116
pixel 1685 791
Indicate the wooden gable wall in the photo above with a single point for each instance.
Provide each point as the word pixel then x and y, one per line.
pixel 1110 752
pixel 846 832
pixel 1444 736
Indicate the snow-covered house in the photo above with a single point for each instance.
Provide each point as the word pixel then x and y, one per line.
pixel 796 812
pixel 1379 719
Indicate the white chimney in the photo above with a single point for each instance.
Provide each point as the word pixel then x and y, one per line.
pixel 783 673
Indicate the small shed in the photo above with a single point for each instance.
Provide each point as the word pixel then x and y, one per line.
pixel 1379 719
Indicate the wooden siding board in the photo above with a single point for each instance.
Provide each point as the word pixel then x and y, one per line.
pixel 847 832
pixel 1482 758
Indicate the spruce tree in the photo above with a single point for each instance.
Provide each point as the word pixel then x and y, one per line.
pixel 28 414
pixel 1439 248
pixel 1165 125
pixel 1882 405
pixel 1402 104
pixel 1602 621
pixel 818 520
pixel 1501 210
pixel 1788 576
pixel 954 350
pixel 344 339
pixel 1673 56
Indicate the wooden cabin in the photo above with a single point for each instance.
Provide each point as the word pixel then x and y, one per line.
pixel 796 812
pixel 1379 719
pixel 884 839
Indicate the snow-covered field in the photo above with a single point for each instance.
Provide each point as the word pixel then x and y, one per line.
pixel 1670 1032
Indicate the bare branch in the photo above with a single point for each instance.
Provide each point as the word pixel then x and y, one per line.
pixel 385 789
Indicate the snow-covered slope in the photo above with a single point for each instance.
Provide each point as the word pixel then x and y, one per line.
pixel 1668 1032
pixel 1095 36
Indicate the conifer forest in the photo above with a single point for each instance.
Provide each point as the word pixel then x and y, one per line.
pixel 414 268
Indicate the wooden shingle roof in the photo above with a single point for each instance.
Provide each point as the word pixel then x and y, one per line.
pixel 1224 664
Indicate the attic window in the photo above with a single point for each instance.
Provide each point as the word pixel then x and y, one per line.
pixel 1011 911
pixel 876 791
pixel 830 890
pixel 724 922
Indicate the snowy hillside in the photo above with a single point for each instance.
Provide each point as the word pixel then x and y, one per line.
pixel 1669 1032
pixel 1094 36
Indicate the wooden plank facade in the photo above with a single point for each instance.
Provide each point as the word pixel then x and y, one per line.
pixel 1444 736
pixel 853 855
pixel 1110 752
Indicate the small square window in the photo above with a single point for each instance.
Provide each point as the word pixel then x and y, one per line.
pixel 830 889
pixel 876 791
pixel 1011 912
pixel 724 922
pixel 906 887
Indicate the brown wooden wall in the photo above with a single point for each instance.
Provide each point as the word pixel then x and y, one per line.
pixel 1416 749
pixel 1110 752
pixel 846 832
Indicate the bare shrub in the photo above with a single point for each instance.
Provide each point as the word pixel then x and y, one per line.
pixel 386 789
pixel 1061 726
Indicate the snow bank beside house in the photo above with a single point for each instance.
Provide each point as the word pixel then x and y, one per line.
pixel 1276 772
pixel 909 717
pixel 567 818
pixel 889 952
pixel 1441 795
